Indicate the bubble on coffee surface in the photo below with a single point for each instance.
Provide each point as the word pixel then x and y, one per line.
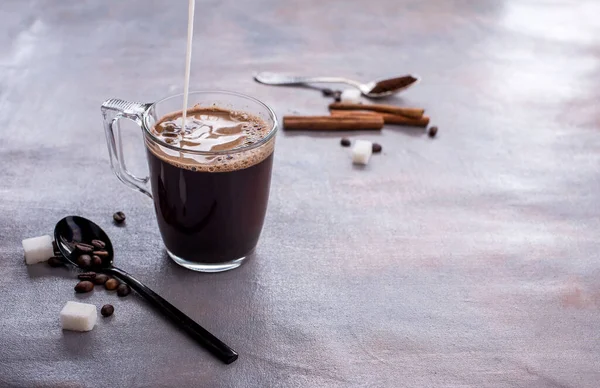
pixel 212 129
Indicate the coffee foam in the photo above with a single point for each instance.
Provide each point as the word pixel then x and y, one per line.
pixel 212 129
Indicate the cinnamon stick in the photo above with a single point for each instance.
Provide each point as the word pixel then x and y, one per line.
pixel 414 113
pixel 339 112
pixel 333 123
pixel 388 118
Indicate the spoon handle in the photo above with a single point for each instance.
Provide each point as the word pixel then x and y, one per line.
pixel 281 79
pixel 197 332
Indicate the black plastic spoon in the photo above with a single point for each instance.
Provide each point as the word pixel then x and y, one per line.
pixel 73 229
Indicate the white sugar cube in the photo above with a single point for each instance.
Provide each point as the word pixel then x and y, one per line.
pixel 351 96
pixel 361 152
pixel 78 316
pixel 38 249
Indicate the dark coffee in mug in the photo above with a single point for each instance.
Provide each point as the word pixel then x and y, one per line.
pixel 210 207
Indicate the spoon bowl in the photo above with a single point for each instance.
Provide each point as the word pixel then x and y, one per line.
pixel 389 86
pixel 74 229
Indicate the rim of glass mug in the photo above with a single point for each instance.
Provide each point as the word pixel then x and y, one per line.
pixel 147 126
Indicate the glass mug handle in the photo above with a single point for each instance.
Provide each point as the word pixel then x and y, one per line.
pixel 113 111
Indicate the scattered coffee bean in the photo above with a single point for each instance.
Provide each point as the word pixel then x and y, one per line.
pixel 329 92
pixel 100 279
pixel 345 142
pixel 111 284
pixel 87 276
pixel 376 147
pixel 119 217
pixel 123 290
pixel 98 244
pixel 107 310
pixel 432 131
pixel 56 261
pixel 337 96
pixel 85 248
pixel 101 253
pixel 96 261
pixel 84 286
pixel 84 261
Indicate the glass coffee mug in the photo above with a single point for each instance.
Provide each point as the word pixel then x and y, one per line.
pixel 210 204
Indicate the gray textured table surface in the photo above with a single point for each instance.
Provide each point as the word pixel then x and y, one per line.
pixel 469 260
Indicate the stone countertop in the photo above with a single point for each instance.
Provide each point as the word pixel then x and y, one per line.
pixel 466 260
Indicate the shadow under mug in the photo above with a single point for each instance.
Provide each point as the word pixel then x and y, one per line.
pixel 210 205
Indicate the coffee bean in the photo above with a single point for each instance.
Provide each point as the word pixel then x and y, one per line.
pixel 337 96
pixel 96 261
pixel 84 286
pixel 56 261
pixel 100 279
pixel 99 244
pixel 327 92
pixel 85 248
pixel 87 276
pixel 432 131
pixel 100 253
pixel 107 310
pixel 111 284
pixel 123 290
pixel 119 217
pixel 345 142
pixel 84 261
pixel 376 147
